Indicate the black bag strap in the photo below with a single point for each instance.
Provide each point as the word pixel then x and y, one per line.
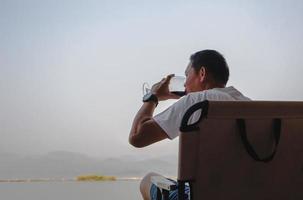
pixel 185 127
pixel 249 148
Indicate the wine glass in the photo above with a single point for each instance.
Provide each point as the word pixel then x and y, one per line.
pixel 176 86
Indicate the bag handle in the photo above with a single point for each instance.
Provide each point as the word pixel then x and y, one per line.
pixel 249 148
pixel 185 127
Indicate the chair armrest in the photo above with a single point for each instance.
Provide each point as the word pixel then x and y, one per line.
pixel 163 183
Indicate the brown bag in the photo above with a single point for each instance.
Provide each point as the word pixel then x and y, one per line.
pixel 242 150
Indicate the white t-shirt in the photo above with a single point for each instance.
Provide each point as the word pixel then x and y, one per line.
pixel 170 119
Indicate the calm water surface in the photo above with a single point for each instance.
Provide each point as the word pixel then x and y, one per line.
pixel 107 190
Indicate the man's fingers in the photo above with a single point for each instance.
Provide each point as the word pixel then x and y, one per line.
pixel 167 79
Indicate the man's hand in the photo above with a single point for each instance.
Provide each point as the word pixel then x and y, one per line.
pixel 161 89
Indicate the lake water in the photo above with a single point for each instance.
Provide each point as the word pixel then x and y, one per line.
pixel 107 190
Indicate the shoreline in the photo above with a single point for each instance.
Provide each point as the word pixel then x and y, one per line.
pixel 32 180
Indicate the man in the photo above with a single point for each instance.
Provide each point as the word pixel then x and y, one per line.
pixel 206 76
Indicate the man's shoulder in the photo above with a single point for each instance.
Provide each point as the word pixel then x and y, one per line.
pixel 217 94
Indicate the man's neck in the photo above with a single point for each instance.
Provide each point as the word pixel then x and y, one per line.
pixel 208 86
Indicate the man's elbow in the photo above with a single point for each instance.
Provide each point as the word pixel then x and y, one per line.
pixel 135 142
pixel 146 135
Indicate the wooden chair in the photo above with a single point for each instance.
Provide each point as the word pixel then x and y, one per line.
pixel 242 150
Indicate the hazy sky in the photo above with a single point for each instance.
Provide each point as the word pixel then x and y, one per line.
pixel 71 71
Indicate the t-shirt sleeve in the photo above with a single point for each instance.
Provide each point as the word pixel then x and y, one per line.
pixel 170 119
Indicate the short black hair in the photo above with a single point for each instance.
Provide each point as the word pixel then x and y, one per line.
pixel 214 63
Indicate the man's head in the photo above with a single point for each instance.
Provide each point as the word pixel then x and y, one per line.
pixel 207 69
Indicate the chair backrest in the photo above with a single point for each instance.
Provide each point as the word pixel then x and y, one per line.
pixel 243 150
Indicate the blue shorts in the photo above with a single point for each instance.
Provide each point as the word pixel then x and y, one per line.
pixel 173 195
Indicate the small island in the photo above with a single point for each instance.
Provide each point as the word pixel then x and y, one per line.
pixel 95 178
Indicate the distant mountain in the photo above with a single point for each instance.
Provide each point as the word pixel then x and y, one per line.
pixel 62 164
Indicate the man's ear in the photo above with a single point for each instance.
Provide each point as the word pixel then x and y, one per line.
pixel 202 74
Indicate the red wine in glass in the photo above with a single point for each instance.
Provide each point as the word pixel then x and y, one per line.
pixel 176 85
pixel 179 93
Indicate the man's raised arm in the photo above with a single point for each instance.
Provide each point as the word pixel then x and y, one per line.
pixel 145 130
